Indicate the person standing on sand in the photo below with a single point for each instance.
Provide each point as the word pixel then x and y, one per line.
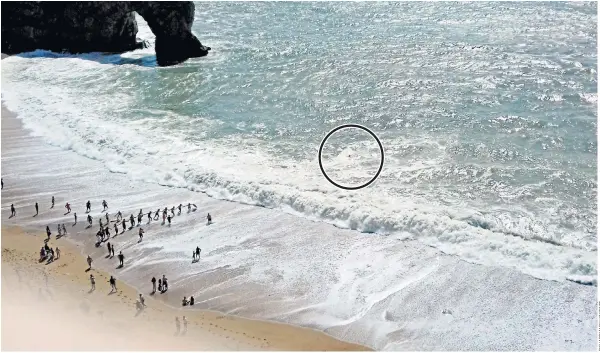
pixel 113 284
pixel 2 181
pixel 89 218
pixel 52 202
pixel 107 232
pixel 75 215
pixel 177 324
pixel 57 253
pixel 112 251
pixel 48 232
pixel 153 280
pixel 89 261
pixel 93 282
pixel 141 234
pixel 142 300
pixel 116 229
pixel 36 209
pixel 209 219
pixel 13 212
pixel 121 258
pixel 59 230
pixel 164 283
pixel 108 246
pixel 64 229
pixel 184 325
pixel 160 285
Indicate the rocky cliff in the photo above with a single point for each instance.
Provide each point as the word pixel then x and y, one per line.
pixel 89 26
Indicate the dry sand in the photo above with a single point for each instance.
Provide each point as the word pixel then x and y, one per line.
pixel 51 307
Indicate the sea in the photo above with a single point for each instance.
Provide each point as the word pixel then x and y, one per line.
pixel 487 117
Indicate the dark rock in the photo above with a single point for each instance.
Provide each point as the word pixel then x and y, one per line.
pixel 88 26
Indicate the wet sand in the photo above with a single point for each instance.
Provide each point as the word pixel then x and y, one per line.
pixel 51 307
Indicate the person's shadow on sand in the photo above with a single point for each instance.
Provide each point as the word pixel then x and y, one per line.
pixel 119 267
pixel 11 217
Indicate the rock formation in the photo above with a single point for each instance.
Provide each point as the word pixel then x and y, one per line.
pixel 90 26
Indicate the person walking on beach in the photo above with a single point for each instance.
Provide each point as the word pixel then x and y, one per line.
pixel 13 212
pixel 93 282
pixel 113 284
pixel 88 207
pixel 48 232
pixel 64 229
pixel 89 218
pixel 153 280
pixel 105 205
pixel 75 215
pixel 52 202
pixel 89 261
pixel 68 207
pixel 141 234
pixel 36 209
pixel 156 214
pixel 164 284
pixel 121 258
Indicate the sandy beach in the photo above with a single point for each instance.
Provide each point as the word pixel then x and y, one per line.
pixel 55 302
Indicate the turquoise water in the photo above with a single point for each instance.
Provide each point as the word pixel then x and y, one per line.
pixel 487 112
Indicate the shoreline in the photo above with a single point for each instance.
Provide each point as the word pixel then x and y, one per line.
pixel 387 316
pixel 67 276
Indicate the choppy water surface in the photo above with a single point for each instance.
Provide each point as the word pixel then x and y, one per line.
pixel 487 112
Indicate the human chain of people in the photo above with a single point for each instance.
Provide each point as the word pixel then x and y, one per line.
pixel 103 234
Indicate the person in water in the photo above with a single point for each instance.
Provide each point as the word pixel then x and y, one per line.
pixel 36 209
pixel 156 215
pixel 209 219
pixel 141 234
pixel 89 218
pixel 48 232
pixel 124 226
pixel 75 215
pixel 139 219
pixel 198 252
pixel 105 205
pixel 107 219
pixel 59 230
pixel 13 212
pixel 119 216
pixel 88 206
pixel 149 216
pixel 132 221
pixel 68 207
pixel 169 219
pixel 52 202
pixel 173 211
pixel 179 209
pixel 64 229
pixel 121 258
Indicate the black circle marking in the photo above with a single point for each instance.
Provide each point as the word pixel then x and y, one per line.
pixel 345 126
